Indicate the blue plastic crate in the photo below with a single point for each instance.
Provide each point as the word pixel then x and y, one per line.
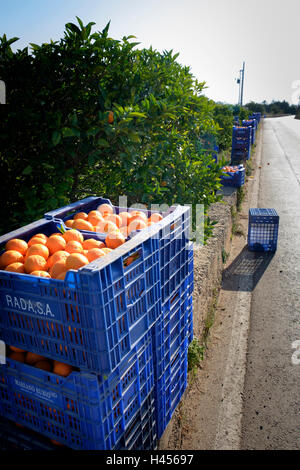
pixel 235 180
pixel 171 330
pixel 241 132
pixel 13 437
pixel 172 232
pixel 170 389
pixel 83 411
pixel 190 293
pixel 240 155
pixel 95 316
pixel 263 227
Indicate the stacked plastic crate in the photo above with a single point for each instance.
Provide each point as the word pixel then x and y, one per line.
pixel 252 123
pixel 241 144
pixel 103 319
pixel 256 116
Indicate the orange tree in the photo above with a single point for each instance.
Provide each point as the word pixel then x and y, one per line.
pixel 93 115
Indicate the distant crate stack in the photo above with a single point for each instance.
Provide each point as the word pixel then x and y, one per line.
pixel 123 322
pixel 241 144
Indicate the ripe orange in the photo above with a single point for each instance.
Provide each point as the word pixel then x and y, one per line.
pixel 57 256
pixel 105 209
pixel 90 243
pixel 81 215
pixel 124 231
pixel 61 276
pixel 31 358
pixel 9 257
pixel 58 268
pixel 106 226
pixel 94 217
pixel 62 369
pixel 69 223
pixel 16 268
pixel 74 247
pixel 17 245
pixel 40 274
pixel 34 240
pixel 135 214
pixel 126 218
pixel 35 263
pixel 73 235
pixel 17 356
pixel 41 235
pixel 116 219
pixel 44 365
pixel 155 217
pixel 114 239
pixel 76 261
pixel 38 249
pixel 110 118
pixel 56 243
pixel 137 224
pixel 56 234
pixel 80 224
pixel 94 253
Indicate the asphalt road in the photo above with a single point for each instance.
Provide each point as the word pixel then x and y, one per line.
pixel 271 407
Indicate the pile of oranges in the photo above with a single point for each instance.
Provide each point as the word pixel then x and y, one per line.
pixel 40 362
pixel 54 256
pixel 230 169
pixel 104 220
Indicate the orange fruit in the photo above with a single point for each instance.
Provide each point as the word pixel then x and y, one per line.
pixel 80 224
pixel 76 261
pixel 56 443
pixel 125 217
pixel 62 369
pixel 61 276
pixel 40 273
pixel 38 249
pixel 34 240
pixel 150 223
pixel 114 239
pixel 17 245
pixel 31 358
pixel 9 257
pixel 35 263
pixel 69 223
pixel 90 243
pixel 137 224
pixel 41 235
pixel 155 217
pixel 95 217
pixel 57 256
pixel 124 231
pixel 94 253
pixel 56 234
pixel 16 268
pixel 116 219
pixel 135 214
pixel 44 365
pixel 58 268
pixel 73 235
pixel 106 226
pixel 74 247
pixel 56 243
pixel 15 349
pixel 105 209
pixel 81 215
pixel 110 118
pixel 17 356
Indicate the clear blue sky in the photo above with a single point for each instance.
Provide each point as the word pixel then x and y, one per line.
pixel 213 37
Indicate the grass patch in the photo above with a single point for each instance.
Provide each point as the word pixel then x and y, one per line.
pixel 224 256
pixel 240 197
pixel 195 355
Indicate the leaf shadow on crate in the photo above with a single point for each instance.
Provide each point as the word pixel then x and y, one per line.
pixel 246 270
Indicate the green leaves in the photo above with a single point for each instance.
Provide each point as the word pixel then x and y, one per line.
pixel 70 132
pixel 56 137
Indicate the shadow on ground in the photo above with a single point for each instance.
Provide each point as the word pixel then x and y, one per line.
pixel 246 270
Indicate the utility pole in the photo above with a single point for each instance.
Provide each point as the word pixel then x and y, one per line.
pixel 242 84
